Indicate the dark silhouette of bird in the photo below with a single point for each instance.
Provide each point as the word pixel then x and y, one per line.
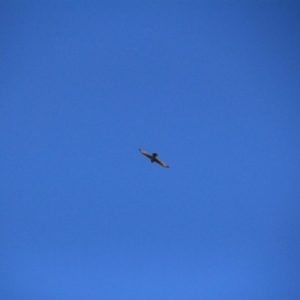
pixel 153 158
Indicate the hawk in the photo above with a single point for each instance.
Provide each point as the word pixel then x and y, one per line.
pixel 153 158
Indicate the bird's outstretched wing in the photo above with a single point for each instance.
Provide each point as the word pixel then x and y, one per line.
pixel 146 153
pixel 161 162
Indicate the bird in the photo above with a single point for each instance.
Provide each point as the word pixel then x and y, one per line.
pixel 153 158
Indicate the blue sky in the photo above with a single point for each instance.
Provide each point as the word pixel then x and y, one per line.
pixel 212 87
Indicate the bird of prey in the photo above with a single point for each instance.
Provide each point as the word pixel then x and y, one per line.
pixel 153 158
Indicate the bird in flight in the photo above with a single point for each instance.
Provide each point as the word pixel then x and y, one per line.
pixel 153 158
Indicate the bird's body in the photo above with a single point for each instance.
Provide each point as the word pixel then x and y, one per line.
pixel 153 158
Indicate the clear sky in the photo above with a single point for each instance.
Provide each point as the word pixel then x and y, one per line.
pixel 213 87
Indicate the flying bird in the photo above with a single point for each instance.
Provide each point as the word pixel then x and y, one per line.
pixel 153 158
